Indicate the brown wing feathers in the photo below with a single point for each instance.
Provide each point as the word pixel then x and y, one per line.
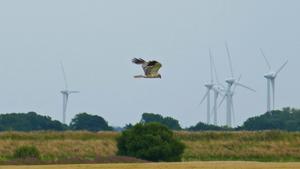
pixel 152 63
pixel 150 68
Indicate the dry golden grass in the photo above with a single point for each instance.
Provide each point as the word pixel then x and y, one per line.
pixel 189 165
pixel 236 150
pixel 54 149
pixel 258 146
pixel 224 146
pixel 55 135
pixel 61 145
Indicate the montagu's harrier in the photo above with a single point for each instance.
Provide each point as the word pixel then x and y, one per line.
pixel 150 68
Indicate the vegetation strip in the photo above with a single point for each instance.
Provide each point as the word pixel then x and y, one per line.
pixel 208 146
pixel 184 165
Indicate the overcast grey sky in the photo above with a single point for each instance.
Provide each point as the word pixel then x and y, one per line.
pixel 96 40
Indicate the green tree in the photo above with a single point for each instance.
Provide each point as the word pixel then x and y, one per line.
pixel 150 141
pixel 84 121
pixel 170 122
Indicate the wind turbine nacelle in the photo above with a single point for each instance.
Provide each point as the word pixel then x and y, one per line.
pixel 64 92
pixel 209 86
pixel 230 81
pixel 68 92
pixel 270 75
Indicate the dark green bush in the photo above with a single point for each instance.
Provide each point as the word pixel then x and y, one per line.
pixel 27 152
pixel 150 141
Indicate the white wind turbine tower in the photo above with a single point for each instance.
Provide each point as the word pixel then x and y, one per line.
pixel 230 91
pixel 65 94
pixel 209 87
pixel 271 76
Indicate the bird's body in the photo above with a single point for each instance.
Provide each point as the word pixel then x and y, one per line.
pixel 150 68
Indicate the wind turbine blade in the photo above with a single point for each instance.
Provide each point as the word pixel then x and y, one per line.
pixel 220 90
pixel 211 67
pixel 280 69
pixel 206 94
pixel 235 83
pixel 223 87
pixel 66 101
pixel 244 86
pixel 223 98
pixel 64 75
pixel 229 58
pixel 268 63
pixel 74 92
pixel 215 71
pixel 221 93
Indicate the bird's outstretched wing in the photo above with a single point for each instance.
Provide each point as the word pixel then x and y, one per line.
pixel 152 68
pixel 138 61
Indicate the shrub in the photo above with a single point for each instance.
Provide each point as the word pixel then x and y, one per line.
pixel 27 152
pixel 150 141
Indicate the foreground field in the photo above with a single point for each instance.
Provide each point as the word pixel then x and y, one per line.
pixel 200 146
pixel 187 165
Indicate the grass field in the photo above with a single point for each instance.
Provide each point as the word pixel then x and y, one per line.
pixel 186 165
pixel 245 146
pixel 60 145
pixel 274 146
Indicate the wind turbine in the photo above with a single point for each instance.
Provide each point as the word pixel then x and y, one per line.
pixel 271 76
pixel 232 81
pixel 218 90
pixel 65 94
pixel 209 87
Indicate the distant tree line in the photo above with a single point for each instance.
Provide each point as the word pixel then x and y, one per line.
pixel 207 127
pixel 287 119
pixel 32 121
pixel 29 122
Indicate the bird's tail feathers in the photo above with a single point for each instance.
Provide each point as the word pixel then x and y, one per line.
pixel 139 76
pixel 138 61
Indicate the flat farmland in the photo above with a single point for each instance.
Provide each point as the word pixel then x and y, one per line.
pixel 265 146
pixel 183 165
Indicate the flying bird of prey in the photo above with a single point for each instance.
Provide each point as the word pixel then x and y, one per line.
pixel 150 68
